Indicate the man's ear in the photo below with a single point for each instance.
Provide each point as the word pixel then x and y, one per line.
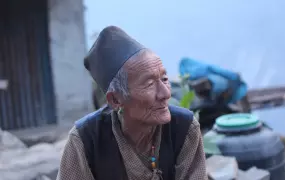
pixel 113 100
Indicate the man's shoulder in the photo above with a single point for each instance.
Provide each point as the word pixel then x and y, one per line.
pixel 180 113
pixel 90 118
pixel 87 118
pixel 181 119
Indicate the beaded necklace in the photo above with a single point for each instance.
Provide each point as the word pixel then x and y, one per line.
pixel 153 163
pixel 153 159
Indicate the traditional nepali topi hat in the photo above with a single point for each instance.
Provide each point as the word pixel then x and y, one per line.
pixel 108 54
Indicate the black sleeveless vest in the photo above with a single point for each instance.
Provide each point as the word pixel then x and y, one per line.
pixel 102 151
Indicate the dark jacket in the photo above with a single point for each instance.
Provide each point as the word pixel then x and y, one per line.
pixel 102 151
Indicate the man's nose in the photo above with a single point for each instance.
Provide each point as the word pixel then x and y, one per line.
pixel 163 91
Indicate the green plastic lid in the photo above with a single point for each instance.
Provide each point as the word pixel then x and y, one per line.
pixel 237 120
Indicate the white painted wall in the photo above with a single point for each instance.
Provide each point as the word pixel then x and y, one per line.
pixel 244 35
pixel 67 38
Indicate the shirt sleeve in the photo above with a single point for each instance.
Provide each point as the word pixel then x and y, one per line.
pixel 73 165
pixel 190 162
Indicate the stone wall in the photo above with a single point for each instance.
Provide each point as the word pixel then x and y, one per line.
pixel 67 43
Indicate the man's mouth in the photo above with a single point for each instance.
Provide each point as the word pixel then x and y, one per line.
pixel 161 108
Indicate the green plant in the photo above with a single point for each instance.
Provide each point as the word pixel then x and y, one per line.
pixel 188 95
pixel 187 99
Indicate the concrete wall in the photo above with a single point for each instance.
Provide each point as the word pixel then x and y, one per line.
pixel 67 37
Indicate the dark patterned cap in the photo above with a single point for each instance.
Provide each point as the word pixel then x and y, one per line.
pixel 108 54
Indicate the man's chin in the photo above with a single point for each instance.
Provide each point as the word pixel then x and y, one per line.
pixel 165 121
pixel 164 118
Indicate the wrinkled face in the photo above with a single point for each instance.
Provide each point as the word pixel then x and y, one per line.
pixel 149 90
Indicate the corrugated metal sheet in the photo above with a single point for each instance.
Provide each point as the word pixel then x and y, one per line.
pixel 25 63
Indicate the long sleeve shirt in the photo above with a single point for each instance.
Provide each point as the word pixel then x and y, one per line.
pixel 190 163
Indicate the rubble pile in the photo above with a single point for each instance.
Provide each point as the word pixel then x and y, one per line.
pixel 226 168
pixel 19 162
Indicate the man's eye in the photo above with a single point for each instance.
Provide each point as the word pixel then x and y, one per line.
pixel 149 83
pixel 165 79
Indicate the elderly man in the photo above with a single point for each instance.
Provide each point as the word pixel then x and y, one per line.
pixel 137 135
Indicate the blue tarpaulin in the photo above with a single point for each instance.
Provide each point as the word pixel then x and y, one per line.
pixel 221 79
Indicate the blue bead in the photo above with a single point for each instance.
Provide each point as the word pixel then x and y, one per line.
pixel 153 159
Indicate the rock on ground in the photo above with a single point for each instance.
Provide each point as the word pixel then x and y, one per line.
pixel 17 162
pixel 254 174
pixel 226 168
pixel 43 177
pixel 10 142
pixel 222 168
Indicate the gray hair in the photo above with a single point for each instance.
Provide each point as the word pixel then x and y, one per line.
pixel 119 83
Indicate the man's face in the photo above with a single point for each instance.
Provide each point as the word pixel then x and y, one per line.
pixel 149 90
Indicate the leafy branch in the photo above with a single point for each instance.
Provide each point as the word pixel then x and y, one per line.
pixel 187 97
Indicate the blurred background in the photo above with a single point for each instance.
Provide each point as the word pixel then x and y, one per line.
pixel 44 87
